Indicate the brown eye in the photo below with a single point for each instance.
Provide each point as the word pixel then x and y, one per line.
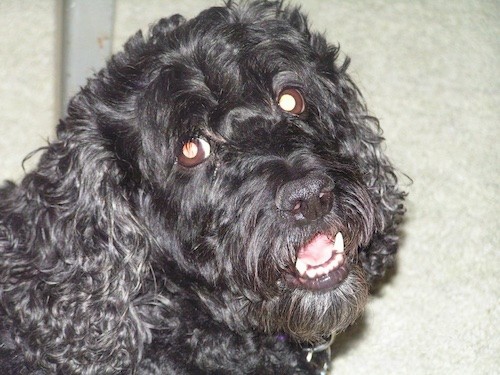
pixel 193 152
pixel 292 101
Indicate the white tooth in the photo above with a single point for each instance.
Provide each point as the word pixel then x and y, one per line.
pixel 321 271
pixel 301 266
pixel 336 261
pixel 332 265
pixel 311 273
pixel 339 243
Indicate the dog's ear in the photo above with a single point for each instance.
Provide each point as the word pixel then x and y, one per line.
pixel 349 112
pixel 80 255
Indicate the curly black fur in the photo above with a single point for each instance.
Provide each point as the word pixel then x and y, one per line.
pixel 116 258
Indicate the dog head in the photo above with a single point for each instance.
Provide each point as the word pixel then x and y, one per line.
pixel 261 173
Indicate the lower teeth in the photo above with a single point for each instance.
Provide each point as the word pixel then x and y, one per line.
pixel 314 273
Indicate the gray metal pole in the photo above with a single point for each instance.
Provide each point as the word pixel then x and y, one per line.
pixel 86 42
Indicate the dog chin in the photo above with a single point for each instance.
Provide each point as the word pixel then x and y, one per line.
pixel 312 314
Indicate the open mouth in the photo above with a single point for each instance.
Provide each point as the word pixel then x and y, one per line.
pixel 321 263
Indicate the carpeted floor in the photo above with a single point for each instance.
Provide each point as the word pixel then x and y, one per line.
pixel 430 70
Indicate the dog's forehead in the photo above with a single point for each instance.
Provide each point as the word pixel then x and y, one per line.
pixel 231 55
pixel 220 75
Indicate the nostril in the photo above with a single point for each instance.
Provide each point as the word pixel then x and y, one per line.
pixel 326 198
pixel 314 208
pixel 297 207
pixel 297 210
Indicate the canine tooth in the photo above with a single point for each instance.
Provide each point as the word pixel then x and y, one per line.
pixel 301 266
pixel 338 246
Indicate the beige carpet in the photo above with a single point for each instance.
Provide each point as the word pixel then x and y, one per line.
pixel 430 71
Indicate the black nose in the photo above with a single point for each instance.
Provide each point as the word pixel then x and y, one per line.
pixel 306 199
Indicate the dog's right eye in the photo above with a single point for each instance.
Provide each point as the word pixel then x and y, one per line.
pixel 194 151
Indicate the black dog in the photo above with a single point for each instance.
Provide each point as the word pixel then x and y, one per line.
pixel 216 202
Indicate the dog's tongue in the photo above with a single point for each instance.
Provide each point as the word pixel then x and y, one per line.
pixel 316 252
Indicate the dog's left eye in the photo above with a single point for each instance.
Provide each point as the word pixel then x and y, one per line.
pixel 292 101
pixel 193 152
